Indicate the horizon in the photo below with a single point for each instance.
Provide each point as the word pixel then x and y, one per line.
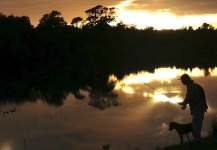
pixel 157 14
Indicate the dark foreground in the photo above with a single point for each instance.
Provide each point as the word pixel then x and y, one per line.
pixel 209 143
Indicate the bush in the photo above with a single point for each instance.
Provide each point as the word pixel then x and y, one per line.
pixel 213 127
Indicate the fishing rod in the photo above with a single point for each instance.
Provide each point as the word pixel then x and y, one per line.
pixel 153 88
pixel 183 107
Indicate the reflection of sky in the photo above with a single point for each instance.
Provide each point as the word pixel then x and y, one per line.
pixel 5 146
pixel 141 120
pixel 161 75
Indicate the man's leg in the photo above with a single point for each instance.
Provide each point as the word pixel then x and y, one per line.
pixel 197 122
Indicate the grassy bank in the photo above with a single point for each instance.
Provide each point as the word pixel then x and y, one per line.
pixel 208 143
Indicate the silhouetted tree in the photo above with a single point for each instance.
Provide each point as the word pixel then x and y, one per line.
pixel 149 28
pixel 206 26
pixel 16 21
pixel 2 18
pixel 100 14
pixel 76 21
pixel 121 25
pixel 190 28
pixel 52 20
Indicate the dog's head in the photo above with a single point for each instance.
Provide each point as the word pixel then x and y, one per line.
pixel 171 125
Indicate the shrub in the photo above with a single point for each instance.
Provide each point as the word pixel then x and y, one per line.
pixel 213 127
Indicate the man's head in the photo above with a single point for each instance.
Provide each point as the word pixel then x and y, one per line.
pixel 185 78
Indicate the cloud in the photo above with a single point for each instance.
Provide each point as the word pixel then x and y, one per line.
pixel 177 7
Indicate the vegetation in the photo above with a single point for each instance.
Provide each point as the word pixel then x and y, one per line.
pixel 54 59
pixel 213 127
pixel 209 143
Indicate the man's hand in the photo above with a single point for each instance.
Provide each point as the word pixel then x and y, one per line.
pixel 184 107
pixel 181 103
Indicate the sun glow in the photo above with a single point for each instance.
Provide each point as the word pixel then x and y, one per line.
pixel 213 71
pixel 5 146
pixel 125 3
pixel 132 82
pixel 128 90
pixel 161 19
pixel 143 19
pixel 159 97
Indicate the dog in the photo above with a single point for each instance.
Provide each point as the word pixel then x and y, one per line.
pixel 182 129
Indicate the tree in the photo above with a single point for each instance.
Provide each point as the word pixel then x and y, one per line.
pixel 190 28
pixel 206 26
pixel 16 21
pixel 100 14
pixel 149 28
pixel 52 20
pixel 76 21
pixel 2 18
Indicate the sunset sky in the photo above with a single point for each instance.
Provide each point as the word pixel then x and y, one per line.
pixel 161 14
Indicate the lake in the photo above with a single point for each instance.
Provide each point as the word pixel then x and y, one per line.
pixel 148 104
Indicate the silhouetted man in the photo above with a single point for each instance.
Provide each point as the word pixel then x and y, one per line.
pixel 196 99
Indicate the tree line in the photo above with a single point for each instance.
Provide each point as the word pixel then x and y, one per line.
pixel 55 58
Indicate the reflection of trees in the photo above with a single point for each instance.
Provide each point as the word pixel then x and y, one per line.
pixel 55 59
pixel 8 111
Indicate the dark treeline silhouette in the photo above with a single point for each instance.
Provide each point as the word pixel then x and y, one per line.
pixel 54 59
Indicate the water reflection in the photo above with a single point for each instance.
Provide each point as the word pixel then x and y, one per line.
pixel 160 76
pixel 142 119
pixel 5 146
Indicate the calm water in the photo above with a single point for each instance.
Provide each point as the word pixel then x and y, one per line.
pixel 141 120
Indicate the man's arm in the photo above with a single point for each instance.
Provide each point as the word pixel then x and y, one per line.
pixel 189 95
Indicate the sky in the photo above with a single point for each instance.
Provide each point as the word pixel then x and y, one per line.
pixel 160 14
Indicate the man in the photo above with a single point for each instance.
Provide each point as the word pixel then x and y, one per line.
pixel 196 99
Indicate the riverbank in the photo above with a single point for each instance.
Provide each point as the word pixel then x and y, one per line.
pixel 208 143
